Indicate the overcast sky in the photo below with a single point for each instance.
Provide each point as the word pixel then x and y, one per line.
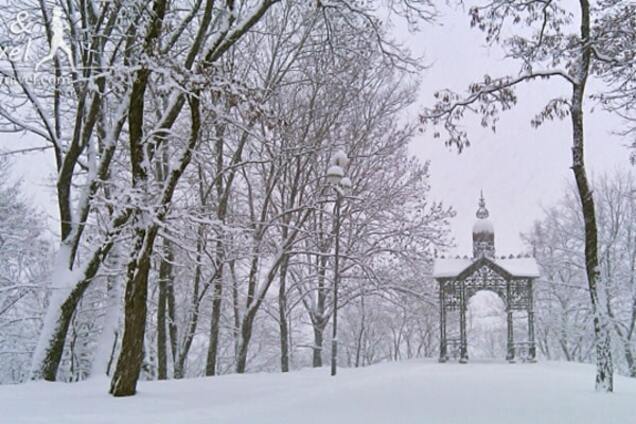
pixel 519 168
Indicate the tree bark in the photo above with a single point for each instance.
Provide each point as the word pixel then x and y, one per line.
pixel 318 343
pixel 604 365
pixel 282 316
pixel 48 367
pixel 165 275
pixel 130 360
pixel 222 193
pixel 217 298
pixel 236 313
pixel 124 382
pixel 361 331
pixel 128 367
pixel 318 318
pixel 246 336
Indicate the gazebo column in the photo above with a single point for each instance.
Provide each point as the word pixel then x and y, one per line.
pixel 510 355
pixel 463 343
pixel 443 348
pixel 532 350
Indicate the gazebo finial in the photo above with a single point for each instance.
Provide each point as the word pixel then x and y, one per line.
pixel 482 212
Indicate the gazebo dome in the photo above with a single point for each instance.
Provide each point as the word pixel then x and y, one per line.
pixel 483 226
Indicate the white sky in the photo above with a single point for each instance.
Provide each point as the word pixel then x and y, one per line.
pixel 519 168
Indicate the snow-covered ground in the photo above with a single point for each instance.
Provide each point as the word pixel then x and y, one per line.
pixel 398 393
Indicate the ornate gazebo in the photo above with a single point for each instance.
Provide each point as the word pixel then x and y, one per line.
pixel 509 277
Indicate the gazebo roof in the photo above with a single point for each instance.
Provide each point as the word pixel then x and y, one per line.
pixel 515 266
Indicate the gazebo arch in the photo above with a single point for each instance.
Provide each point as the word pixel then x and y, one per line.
pixel 510 277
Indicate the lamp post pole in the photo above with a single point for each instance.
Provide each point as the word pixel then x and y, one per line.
pixel 336 282
pixel 341 185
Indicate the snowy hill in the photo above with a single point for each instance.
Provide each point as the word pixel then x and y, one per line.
pixel 408 392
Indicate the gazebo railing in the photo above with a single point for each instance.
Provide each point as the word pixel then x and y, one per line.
pixel 523 351
pixel 453 347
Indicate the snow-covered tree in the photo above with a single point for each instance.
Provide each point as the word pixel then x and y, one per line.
pixel 160 112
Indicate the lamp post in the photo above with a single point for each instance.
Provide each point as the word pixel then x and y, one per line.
pixel 341 184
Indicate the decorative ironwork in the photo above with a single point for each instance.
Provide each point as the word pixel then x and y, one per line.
pixel 485 278
pixel 520 297
pixel 452 297
pixel 484 247
pixel 516 294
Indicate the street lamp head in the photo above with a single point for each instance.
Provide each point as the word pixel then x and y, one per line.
pixel 345 184
pixel 335 174
pixel 340 158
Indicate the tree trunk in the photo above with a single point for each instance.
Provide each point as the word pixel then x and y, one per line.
pixel 318 342
pixel 107 341
pixel 172 322
pixel 282 316
pixel 604 370
pixel 318 319
pixel 236 311
pixel 165 275
pixel 604 365
pixel 130 360
pixel 629 359
pixel 362 330
pixel 217 293
pixel 124 382
pixel 246 336
pixel 210 364
pixel 47 367
pixel 179 366
pixel 131 357
pixel 624 340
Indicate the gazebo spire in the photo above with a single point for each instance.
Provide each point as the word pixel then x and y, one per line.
pixel 482 212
